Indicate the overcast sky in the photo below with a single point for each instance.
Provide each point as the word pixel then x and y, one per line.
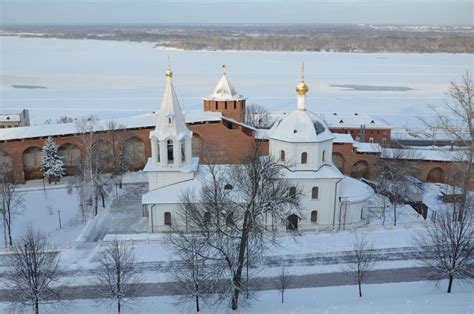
pixel 233 11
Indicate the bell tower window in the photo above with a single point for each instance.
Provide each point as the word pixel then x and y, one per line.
pixel 170 151
pixel 183 148
pixel 282 155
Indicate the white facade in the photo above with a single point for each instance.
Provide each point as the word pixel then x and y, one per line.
pixel 300 140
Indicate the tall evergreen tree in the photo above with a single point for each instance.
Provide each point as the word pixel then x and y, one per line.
pixel 51 163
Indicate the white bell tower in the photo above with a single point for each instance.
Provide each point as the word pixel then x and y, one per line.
pixel 171 142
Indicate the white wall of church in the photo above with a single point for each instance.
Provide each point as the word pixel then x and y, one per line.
pixel 157 179
pixel 323 204
pixel 156 216
pixel 293 153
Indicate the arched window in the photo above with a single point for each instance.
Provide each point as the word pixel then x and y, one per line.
pixel 158 151
pixel 293 192
pixel 324 155
pixel 170 151
pixel 183 155
pixel 229 220
pixel 315 192
pixel 282 155
pixel 168 218
pixel 207 218
pixel 314 216
pixel 304 158
pixel 228 186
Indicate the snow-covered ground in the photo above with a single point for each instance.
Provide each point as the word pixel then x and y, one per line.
pixel 40 209
pixel 116 79
pixel 414 297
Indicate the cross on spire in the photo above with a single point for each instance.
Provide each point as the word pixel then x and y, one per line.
pixel 302 72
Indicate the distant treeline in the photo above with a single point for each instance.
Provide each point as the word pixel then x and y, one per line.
pixel 329 43
pixel 271 37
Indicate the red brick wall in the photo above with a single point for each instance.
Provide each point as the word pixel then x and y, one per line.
pixel 234 109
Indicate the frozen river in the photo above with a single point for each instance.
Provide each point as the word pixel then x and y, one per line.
pixel 55 77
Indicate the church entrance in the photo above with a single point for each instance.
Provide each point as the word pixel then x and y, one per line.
pixel 292 222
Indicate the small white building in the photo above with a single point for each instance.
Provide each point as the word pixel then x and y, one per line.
pixel 300 140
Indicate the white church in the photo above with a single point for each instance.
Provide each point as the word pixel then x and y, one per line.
pixel 300 140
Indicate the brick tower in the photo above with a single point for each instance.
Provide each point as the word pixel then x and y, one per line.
pixel 225 99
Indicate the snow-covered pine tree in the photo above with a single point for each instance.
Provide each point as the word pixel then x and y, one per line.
pixel 51 163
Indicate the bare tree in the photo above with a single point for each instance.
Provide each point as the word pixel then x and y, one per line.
pixel 446 248
pixel 85 182
pixel 194 277
pixel 11 203
pixel 231 213
pixel 282 282
pixel 395 173
pixel 118 276
pixel 362 259
pixel 257 116
pixel 120 160
pixel 456 118
pixel 32 272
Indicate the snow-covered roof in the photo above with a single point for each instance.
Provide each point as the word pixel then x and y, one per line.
pixel 300 126
pixel 141 121
pixel 353 120
pixel 154 167
pixel 424 154
pixel 367 147
pixel 353 190
pixel 224 91
pixel 10 117
pixel 343 138
pixel 170 120
pixel 425 134
pixel 171 194
pixel 325 172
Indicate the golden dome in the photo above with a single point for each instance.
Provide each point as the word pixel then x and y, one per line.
pixel 168 73
pixel 302 88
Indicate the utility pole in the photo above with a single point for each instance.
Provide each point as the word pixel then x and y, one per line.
pixel 59 218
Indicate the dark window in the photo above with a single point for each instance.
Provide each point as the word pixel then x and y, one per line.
pixel 293 192
pixel 207 218
pixel 282 155
pixel 315 192
pixel 314 216
pixel 183 154
pixel 225 105
pixel 228 187
pixel 229 220
pixel 235 105
pixel 170 150
pixel 168 218
pixel 304 158
pixel 217 105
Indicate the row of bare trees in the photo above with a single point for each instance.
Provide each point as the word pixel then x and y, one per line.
pixel 34 274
